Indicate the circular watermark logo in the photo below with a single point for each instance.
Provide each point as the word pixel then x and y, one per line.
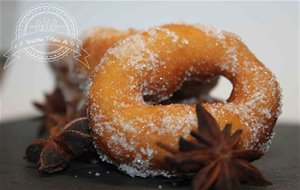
pixel 47 33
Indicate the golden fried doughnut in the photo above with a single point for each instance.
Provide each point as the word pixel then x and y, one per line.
pixel 155 63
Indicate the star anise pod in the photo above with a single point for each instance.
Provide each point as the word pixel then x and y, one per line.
pixel 64 144
pixel 55 103
pixel 53 110
pixel 216 156
pixel 56 109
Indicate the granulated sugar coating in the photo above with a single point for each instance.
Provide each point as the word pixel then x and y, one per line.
pixel 154 64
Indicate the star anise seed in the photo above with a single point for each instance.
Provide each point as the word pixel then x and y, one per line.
pixel 216 155
pixel 64 144
pixel 54 106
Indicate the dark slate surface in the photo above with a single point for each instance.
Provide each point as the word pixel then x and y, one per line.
pixel 280 165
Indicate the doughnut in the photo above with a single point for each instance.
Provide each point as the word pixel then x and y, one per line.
pixel 155 63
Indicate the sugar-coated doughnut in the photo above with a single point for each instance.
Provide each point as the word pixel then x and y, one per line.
pixel 155 63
